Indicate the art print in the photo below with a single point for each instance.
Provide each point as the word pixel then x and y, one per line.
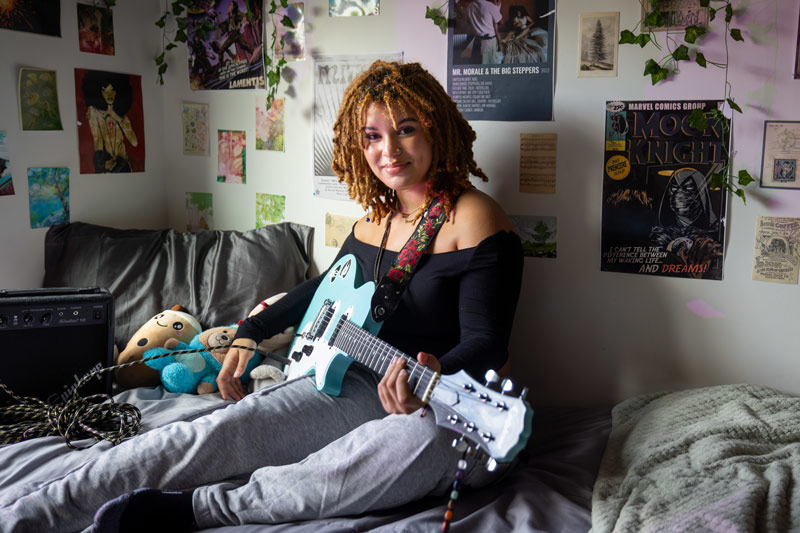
pixel 538 235
pixel 678 14
pixel 598 45
pixel 194 119
pixel 34 16
pixel 199 211
pixel 270 209
pixel 38 100
pixel 48 194
pixel 110 122
pixel 6 183
pixel 353 8
pixel 780 154
pixel 229 56
pixel 661 216
pixel 337 228
pixel 269 124
pixel 231 156
pixel 776 256
pixel 95 29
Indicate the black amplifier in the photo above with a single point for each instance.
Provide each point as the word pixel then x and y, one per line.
pixel 50 338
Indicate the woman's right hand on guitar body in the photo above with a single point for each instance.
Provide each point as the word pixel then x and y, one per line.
pixel 233 368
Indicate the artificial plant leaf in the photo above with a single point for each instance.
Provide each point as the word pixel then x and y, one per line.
pixel 681 53
pixel 701 59
pixel 704 3
pixel 745 178
pixel 737 34
pixel 180 36
pixel 162 21
pixel 740 194
pixel 183 22
pixel 728 13
pixel 717 181
pixel 625 36
pixel 734 105
pixel 655 19
pixel 693 33
pixel 698 120
pixel 287 22
pixel 642 39
pixel 651 67
pixel 661 75
pixel 170 46
pixel 177 8
pixel 160 59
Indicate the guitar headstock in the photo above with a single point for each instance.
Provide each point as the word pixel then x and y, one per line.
pixel 489 416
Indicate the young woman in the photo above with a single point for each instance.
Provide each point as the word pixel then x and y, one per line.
pixel 290 452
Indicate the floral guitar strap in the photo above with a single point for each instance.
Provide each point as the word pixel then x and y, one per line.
pixel 390 288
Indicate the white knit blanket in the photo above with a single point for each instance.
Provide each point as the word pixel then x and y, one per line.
pixel 717 459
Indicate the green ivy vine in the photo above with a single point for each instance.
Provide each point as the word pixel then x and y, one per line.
pixel 438 15
pixel 177 11
pixel 668 66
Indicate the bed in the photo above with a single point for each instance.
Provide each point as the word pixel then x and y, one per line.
pixel 722 458
pixel 219 276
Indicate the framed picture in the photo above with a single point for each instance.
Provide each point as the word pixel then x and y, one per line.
pixel 677 14
pixel 797 51
pixel 598 44
pixel 780 158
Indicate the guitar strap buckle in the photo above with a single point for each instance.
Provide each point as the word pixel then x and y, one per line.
pixel 390 289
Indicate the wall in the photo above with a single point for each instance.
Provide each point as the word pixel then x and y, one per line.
pixel 123 200
pixel 581 336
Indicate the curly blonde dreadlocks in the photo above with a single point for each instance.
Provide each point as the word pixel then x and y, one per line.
pixel 399 86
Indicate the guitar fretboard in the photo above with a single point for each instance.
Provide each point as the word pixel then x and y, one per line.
pixel 377 354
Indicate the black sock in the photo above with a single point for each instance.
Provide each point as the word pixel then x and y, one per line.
pixel 152 510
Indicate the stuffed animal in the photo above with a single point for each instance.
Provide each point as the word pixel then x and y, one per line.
pixel 196 372
pixel 173 323
pixel 270 371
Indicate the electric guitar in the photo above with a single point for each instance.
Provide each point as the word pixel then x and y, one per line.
pixel 337 330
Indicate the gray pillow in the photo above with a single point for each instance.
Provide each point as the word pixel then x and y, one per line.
pixel 218 276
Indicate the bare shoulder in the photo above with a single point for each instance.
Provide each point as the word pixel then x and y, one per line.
pixel 476 216
pixel 367 231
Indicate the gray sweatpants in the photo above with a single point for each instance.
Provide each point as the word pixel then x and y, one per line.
pixel 281 454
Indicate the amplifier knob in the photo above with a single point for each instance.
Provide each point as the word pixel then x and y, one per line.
pixel 27 318
pixel 3 320
pixel 46 318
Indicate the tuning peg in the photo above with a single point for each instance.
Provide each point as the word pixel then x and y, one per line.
pixel 491 465
pixel 492 379
pixel 507 386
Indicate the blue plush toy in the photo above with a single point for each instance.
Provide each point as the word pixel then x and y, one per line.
pixel 196 372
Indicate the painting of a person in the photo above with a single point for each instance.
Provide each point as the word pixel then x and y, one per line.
pixel 108 98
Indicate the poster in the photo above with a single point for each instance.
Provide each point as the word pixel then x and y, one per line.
pixel 230 56
pixel 48 195
pixel 353 8
pixel 677 15
pixel 337 228
pixel 781 154
pixel 660 216
pixel 194 119
pixel 35 16
pixel 505 75
pixel 270 209
pixel 269 124
pixel 291 41
pixel 231 156
pixel 776 255
pixel 38 100
pixel 598 39
pixel 537 162
pixel 332 74
pixel 95 29
pixel 6 183
pixel 538 235
pixel 199 211
pixel 110 122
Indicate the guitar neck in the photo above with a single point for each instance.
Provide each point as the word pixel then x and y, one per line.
pixel 378 354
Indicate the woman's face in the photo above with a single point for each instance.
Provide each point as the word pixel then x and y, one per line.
pixel 400 157
pixel 108 93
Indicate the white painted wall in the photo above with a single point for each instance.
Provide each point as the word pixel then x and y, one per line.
pixel 123 200
pixel 581 336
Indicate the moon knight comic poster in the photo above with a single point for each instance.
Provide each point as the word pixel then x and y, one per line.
pixel 660 215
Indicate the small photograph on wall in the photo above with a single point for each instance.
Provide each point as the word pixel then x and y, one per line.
pixel 34 16
pixel 780 154
pixel 292 36
pixel 6 183
pixel 194 118
pixel 110 122
pixel 597 52
pixel 270 209
pixel 678 14
pixel 269 124
pixel 38 100
pixel 229 55
pixel 95 29
pixel 48 194
pixel 231 156
pixel 337 228
pixel 538 235
pixel 353 8
pixel 776 256
pixel 199 211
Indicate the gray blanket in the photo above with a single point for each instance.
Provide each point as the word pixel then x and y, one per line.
pixel 723 458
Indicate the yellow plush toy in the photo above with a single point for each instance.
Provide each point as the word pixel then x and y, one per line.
pixel 173 323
